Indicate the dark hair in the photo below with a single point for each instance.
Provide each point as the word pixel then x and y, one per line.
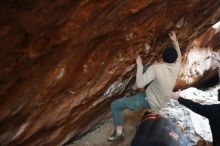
pixel 170 55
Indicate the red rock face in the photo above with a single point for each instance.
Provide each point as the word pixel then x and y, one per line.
pixel 63 61
pixel 198 67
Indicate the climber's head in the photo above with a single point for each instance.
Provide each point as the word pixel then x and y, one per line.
pixel 170 55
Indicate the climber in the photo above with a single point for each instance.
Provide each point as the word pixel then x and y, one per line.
pixel 159 77
pixel 212 112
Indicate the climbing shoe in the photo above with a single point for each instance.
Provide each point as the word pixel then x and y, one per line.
pixel 115 137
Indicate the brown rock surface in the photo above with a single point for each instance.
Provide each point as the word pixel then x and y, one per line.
pixel 198 68
pixel 63 61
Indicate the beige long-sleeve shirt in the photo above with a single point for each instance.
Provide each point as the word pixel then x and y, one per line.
pixel 162 77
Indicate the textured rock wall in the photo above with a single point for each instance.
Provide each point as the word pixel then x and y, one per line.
pixel 63 61
pixel 198 67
